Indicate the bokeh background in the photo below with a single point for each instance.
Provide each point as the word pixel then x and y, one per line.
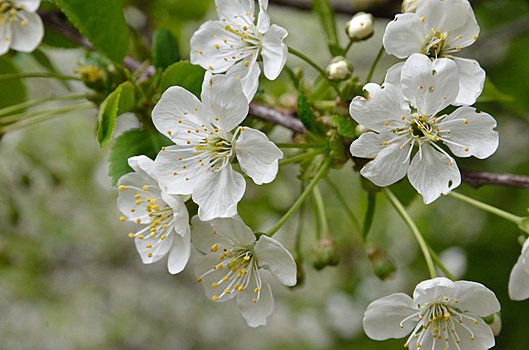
pixel 70 277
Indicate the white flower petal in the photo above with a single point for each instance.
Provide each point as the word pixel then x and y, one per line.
pixel 159 247
pixel 224 99
pixel 430 291
pixel 431 174
pixel 256 314
pixel 474 297
pixel 257 155
pixel 263 21
pixel 383 317
pixel 180 252
pixel 390 164
pixel 453 17
pixel 228 232
pixel 5 32
pixel 240 12
pixel 384 104
pixel 271 255
pixel 249 76
pixel 204 270
pixel 471 80
pixel 217 193
pixel 404 35
pixel 210 51
pixel 393 75
pixel 180 213
pixel 473 131
pixel 481 332
pixel 274 51
pixel 369 144
pixel 29 5
pixel 429 85
pixel 144 166
pixel 178 112
pixel 27 37
pixel 183 162
pixel 127 200
pixel 519 278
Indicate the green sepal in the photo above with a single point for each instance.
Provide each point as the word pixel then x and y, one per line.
pixel 370 214
pixel 344 126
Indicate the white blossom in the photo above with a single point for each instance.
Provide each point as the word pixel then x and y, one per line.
pixel 234 43
pixel 21 28
pixel 428 87
pixel 208 138
pixel 410 5
pixel 162 218
pixel 232 266
pixel 443 315
pixel 438 28
pixel 519 279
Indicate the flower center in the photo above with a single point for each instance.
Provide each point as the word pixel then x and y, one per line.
pixel 239 264
pixel 215 151
pixel 443 322
pixel 435 44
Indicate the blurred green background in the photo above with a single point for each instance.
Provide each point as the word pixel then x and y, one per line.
pixel 70 277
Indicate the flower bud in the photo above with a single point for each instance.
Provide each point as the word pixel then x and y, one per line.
pixel 326 253
pixel 339 69
pixel 360 27
pixel 494 322
pixel 410 5
pixel 382 264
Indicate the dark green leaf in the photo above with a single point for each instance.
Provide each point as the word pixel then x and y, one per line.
pixel 102 22
pixel 165 49
pixel 118 102
pixel 134 143
pixel 54 39
pixel 345 127
pixel 183 74
pixel 370 213
pixel 12 91
pixel 492 94
pixel 324 11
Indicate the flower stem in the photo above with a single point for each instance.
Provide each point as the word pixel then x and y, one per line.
pixel 321 211
pixel 374 65
pixel 300 157
pixel 42 116
pixel 418 236
pixel 299 233
pixel 346 50
pixel 315 66
pixel 440 264
pixel 12 76
pixel 489 208
pixel 298 145
pixel 321 173
pixel 353 218
pixel 15 108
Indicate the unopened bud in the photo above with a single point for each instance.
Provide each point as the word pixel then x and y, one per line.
pixel 410 5
pixel 339 69
pixel 382 264
pixel 494 322
pixel 361 26
pixel 326 253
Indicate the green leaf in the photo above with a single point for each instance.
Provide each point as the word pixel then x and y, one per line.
pixel 134 143
pixel 345 127
pixel 183 74
pixel 370 214
pixel 102 22
pixel 12 91
pixel 324 11
pixel 54 39
pixel 165 49
pixel 120 101
pixel 305 112
pixel 492 94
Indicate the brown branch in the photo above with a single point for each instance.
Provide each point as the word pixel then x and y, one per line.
pixel 57 22
pixel 289 121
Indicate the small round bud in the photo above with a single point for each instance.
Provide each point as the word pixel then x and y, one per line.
pixel 360 27
pixel 339 69
pixel 382 264
pixel 326 253
pixel 494 322
pixel 360 129
pixel 410 5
